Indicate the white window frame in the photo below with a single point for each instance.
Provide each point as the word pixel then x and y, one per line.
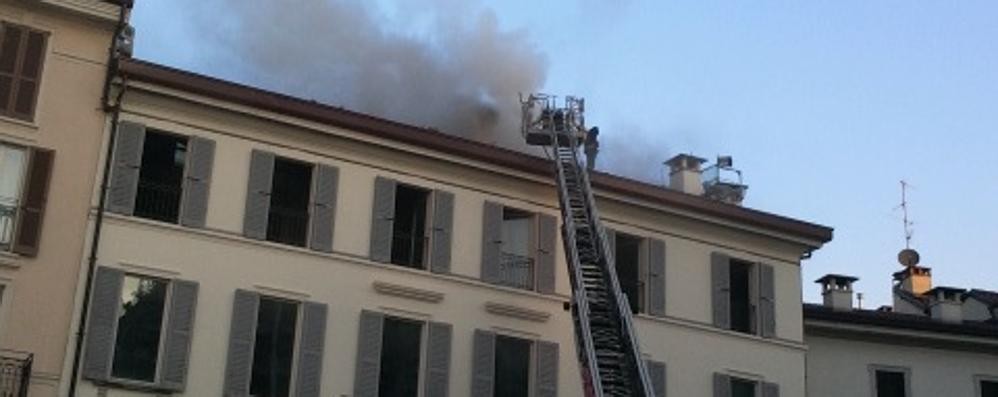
pixel 162 333
pixel 424 332
pixel 874 368
pixel 978 383
pixel 21 185
pixel 295 350
pixel 531 360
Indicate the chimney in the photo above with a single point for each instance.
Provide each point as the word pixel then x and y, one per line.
pixel 837 291
pixel 684 174
pixel 915 279
pixel 946 304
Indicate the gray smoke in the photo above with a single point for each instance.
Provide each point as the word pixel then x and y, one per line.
pixel 451 68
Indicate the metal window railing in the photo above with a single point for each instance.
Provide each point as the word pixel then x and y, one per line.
pixel 159 201
pixel 8 220
pixel 15 373
pixel 516 271
pixel 287 225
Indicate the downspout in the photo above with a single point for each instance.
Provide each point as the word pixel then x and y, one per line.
pixel 114 109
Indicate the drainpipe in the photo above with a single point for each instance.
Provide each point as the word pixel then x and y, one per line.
pixel 114 109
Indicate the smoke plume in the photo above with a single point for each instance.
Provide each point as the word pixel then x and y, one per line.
pixel 448 67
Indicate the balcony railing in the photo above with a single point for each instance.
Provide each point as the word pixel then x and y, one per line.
pixel 516 271
pixel 8 218
pixel 15 373
pixel 408 249
pixel 287 225
pixel 158 201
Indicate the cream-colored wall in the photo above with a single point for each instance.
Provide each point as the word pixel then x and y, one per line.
pixel 839 367
pixel 222 260
pixel 39 294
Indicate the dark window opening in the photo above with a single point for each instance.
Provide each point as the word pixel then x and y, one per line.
pixel 989 388
pixel 890 384
pixel 161 177
pixel 400 347
pixel 273 348
pixel 516 264
pixel 741 301
pixel 628 261
pixel 287 221
pixel 409 227
pixel 512 376
pixel 22 50
pixel 136 345
pixel 742 388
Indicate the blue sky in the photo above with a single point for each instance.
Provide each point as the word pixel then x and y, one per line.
pixel 825 106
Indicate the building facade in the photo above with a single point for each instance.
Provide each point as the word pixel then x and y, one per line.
pixel 53 60
pixel 258 244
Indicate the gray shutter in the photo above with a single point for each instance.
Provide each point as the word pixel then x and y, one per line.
pixel 438 341
pixel 127 157
pixel 325 180
pixel 547 237
pixel 368 367
pixel 770 389
pixel 102 323
pixel 261 178
pixel 657 375
pixel 722 385
pixel 483 363
pixel 656 277
pixel 200 160
pixel 767 303
pixel 443 224
pixel 242 333
pixel 720 289
pixel 310 349
pixel 547 369
pixel 491 242
pixel 382 219
pixel 179 330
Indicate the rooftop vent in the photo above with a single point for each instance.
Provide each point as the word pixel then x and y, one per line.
pixel 946 304
pixel 836 289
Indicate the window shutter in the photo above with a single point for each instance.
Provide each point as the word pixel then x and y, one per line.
pixel 31 65
pixel 547 233
pixel 443 224
pixel 242 334
pixel 483 363
pixel 365 383
pixel 722 385
pixel 657 375
pixel 437 378
pixel 21 55
pixel 29 222
pixel 720 289
pixel 9 49
pixel 179 329
pixel 310 349
pixel 656 277
pixel 127 159
pixel 102 323
pixel 547 369
pixel 261 179
pixel 767 302
pixel 200 160
pixel 382 219
pixel 326 182
pixel 770 389
pixel 491 241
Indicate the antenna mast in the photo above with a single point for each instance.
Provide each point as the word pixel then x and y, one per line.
pixel 908 231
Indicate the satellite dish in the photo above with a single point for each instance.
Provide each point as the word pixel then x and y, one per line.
pixel 908 257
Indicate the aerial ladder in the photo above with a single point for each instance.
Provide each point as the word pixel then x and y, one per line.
pixel 609 359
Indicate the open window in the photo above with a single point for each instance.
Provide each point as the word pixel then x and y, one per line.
pixel 736 386
pixel 742 301
pixel 22 51
pixel 24 182
pixel 516 263
pixel 411 226
pixel 510 366
pixel 287 220
pixel 402 357
pixel 890 382
pixel 518 248
pixel 987 386
pixel 630 262
pixel 743 295
pixel 513 357
pixel 161 176
pixel 13 162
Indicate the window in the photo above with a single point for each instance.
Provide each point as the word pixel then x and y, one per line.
pixel 989 387
pixel 743 388
pixel 139 330
pixel 274 346
pixel 629 268
pixel 742 304
pixel 400 358
pixel 409 231
pixel 516 265
pixel 890 382
pixel 512 367
pixel 21 53
pixel 161 177
pixel 287 221
pixel 12 168
pixel 140 323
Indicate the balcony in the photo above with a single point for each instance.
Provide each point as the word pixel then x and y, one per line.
pixel 15 373
pixel 158 201
pixel 8 218
pixel 287 225
pixel 516 271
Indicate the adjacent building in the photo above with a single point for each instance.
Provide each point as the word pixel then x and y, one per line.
pixel 53 61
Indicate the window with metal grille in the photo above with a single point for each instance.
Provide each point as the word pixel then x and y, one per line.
pixel 516 263
pixel 288 219
pixel 409 229
pixel 12 170
pixel 22 51
pixel 161 176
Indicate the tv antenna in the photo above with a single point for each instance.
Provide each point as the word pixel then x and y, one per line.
pixel 908 230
